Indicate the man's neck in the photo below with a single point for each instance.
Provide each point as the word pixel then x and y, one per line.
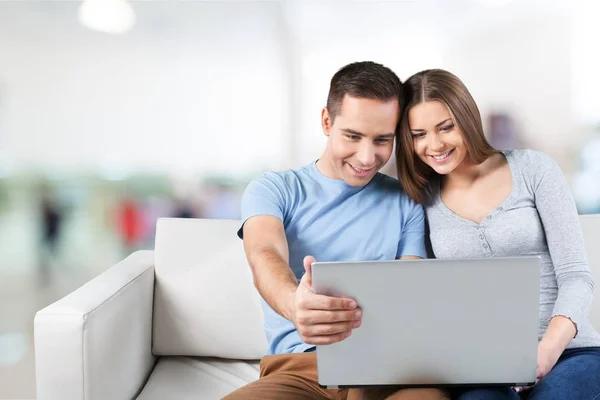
pixel 324 166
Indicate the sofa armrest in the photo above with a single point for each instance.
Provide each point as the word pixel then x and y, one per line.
pixel 95 343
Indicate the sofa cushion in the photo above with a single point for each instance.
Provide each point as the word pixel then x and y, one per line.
pixel 205 303
pixel 590 225
pixel 182 378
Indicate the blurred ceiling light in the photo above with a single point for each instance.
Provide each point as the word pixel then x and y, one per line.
pixel 495 3
pixel 108 16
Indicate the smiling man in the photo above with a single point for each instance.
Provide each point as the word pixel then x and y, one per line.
pixel 338 208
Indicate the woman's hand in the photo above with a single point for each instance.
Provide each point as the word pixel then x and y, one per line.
pixel 548 355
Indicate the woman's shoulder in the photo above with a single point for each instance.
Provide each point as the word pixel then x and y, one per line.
pixel 527 156
pixel 534 167
pixel 529 160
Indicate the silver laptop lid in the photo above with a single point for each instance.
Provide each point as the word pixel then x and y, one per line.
pixel 434 322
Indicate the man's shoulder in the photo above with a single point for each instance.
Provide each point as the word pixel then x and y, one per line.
pixel 389 185
pixel 284 180
pixel 386 181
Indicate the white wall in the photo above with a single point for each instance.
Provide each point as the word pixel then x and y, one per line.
pixel 585 60
pixel 237 87
pixel 514 56
pixel 523 67
pixel 197 86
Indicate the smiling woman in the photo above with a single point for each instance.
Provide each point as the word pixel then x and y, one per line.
pixel 442 108
pixel 481 202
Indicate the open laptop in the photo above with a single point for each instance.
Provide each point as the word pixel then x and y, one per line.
pixel 434 322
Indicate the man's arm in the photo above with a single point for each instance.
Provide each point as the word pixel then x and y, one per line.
pixel 411 245
pixel 267 253
pixel 319 319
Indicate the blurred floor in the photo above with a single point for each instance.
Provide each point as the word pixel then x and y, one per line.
pixel 86 250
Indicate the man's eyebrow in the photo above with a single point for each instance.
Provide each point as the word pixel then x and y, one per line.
pixel 353 132
pixel 437 126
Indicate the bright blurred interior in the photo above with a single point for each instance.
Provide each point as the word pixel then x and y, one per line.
pixel 114 113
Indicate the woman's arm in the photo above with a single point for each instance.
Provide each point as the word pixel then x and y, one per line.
pixel 559 334
pixel 558 213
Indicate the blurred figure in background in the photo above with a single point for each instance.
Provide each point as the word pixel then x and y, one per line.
pixel 130 224
pixel 52 217
pixel 586 182
pixel 221 201
pixel 503 133
pixel 154 207
pixel 183 209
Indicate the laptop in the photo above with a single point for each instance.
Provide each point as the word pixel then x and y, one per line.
pixel 434 322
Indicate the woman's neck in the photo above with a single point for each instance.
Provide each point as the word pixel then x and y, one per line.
pixel 467 173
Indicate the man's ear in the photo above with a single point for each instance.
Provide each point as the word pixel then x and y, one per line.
pixel 326 121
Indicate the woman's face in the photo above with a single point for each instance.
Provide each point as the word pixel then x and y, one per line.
pixel 437 141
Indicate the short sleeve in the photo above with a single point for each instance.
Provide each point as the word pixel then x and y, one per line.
pixel 264 196
pixel 412 235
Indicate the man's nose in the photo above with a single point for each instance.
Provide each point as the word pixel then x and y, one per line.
pixel 366 154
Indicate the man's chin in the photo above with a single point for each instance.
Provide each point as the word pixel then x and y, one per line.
pixel 357 182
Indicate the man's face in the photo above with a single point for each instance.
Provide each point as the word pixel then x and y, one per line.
pixel 360 139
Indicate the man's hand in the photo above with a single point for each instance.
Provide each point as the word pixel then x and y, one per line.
pixel 322 319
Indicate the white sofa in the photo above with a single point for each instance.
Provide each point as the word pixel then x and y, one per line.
pixel 182 322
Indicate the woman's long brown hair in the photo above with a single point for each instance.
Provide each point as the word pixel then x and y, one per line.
pixel 437 85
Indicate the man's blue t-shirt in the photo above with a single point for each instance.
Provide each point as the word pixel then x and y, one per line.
pixel 332 221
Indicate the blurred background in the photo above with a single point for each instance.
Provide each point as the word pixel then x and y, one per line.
pixel 114 113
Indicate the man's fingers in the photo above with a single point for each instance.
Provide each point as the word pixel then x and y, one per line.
pixel 316 317
pixel 308 260
pixel 307 277
pixel 325 340
pixel 330 329
pixel 321 302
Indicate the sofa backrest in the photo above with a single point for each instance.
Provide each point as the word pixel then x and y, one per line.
pixel 205 303
pixel 590 224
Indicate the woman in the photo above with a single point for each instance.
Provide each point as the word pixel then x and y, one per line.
pixel 481 202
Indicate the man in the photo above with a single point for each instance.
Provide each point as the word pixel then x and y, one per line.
pixel 337 208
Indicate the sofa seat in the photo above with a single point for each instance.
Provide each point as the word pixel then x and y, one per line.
pixel 182 378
